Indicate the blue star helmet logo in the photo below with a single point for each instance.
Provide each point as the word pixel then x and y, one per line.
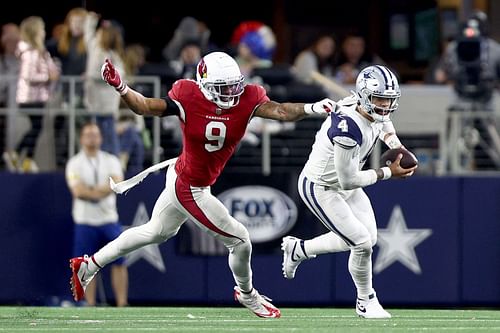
pixel 368 75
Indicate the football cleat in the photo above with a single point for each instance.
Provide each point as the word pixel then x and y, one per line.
pixel 257 303
pixel 371 309
pixel 80 277
pixel 293 255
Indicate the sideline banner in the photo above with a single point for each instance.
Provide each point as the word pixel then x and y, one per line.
pixel 437 244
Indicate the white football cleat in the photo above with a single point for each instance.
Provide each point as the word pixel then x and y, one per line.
pixel 80 277
pixel 371 309
pixel 293 255
pixel 257 303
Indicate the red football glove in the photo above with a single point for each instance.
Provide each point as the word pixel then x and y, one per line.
pixel 112 77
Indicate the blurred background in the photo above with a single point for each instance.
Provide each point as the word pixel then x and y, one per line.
pixel 447 58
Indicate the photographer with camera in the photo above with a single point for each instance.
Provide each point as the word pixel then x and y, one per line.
pixel 472 64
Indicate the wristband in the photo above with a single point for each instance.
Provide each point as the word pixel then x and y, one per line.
pixel 122 89
pixel 387 173
pixel 308 108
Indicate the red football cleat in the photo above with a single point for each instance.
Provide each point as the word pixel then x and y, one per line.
pixel 257 303
pixel 80 277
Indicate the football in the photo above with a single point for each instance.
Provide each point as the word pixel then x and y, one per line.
pixel 408 161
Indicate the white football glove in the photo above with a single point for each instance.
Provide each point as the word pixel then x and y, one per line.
pixel 325 106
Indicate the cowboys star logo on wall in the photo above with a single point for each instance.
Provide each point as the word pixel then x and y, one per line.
pixel 150 253
pixel 398 243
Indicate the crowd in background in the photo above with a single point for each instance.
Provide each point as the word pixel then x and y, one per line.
pixel 80 44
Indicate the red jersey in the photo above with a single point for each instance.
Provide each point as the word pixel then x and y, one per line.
pixel 210 134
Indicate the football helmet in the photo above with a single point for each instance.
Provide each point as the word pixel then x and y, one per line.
pixel 220 79
pixel 378 81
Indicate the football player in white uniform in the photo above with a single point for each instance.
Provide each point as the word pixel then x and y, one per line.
pixel 332 180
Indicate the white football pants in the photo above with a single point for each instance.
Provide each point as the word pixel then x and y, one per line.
pixel 349 217
pixel 178 202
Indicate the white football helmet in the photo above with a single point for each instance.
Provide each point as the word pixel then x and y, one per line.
pixel 220 79
pixel 378 81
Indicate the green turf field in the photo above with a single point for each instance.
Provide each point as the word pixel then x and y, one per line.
pixel 238 319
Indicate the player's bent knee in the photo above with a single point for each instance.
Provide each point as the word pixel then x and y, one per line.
pixel 365 247
pixel 157 233
pixel 241 241
pixel 242 248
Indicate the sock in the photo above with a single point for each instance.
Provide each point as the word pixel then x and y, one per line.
pixel 326 243
pixel 239 262
pixel 92 265
pixel 128 241
pixel 360 267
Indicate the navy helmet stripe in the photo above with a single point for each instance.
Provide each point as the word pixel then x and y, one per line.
pixel 387 85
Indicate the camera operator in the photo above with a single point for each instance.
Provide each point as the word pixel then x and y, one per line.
pixel 472 64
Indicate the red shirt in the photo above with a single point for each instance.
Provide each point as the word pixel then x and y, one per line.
pixel 210 134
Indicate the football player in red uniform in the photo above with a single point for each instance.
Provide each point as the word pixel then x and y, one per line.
pixel 214 112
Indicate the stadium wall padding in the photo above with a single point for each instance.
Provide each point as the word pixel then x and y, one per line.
pixel 445 249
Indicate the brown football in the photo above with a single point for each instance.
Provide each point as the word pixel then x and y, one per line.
pixel 408 161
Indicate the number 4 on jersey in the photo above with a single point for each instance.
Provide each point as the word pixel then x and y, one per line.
pixel 343 125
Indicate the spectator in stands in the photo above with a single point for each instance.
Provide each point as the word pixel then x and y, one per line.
pixel 255 46
pixel 101 100
pixel 134 59
pixel 70 50
pixel 94 206
pixel 185 65
pixel 37 72
pixel 255 49
pixel 70 47
pixel 318 57
pixel 354 56
pixel 188 29
pixel 9 68
pixel 131 128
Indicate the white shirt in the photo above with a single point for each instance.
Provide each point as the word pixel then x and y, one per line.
pixel 353 137
pixel 93 171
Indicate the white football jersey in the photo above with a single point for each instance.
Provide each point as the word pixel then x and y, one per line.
pixel 346 127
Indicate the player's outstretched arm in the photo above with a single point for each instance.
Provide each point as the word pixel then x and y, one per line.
pixel 293 111
pixel 144 105
pixel 135 101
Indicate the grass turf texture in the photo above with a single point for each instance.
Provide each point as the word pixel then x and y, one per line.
pixel 239 319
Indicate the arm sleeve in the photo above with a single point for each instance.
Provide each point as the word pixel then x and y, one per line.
pixel 172 107
pixel 347 165
pixel 386 129
pixel 392 141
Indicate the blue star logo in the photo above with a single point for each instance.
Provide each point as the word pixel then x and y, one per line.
pixel 397 243
pixel 368 75
pixel 150 253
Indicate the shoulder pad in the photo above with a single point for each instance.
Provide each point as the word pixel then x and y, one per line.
pixel 344 126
